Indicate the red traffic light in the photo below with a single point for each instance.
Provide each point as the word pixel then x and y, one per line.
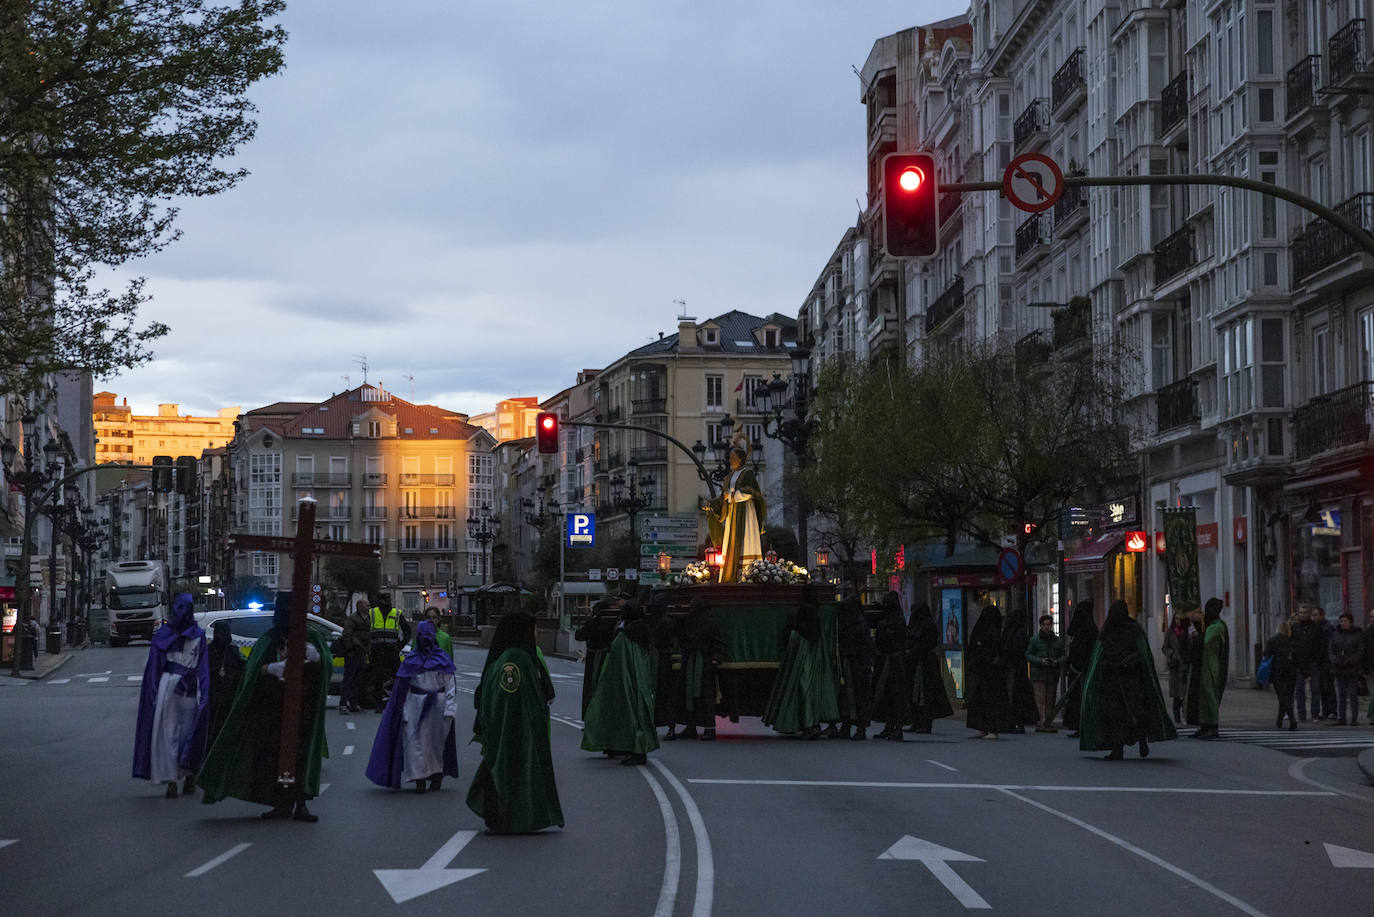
pixel 910 195
pixel 911 178
pixel 546 432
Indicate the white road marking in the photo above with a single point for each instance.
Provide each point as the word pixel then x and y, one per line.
pixel 1006 787
pixel 1143 854
pixel 404 884
pixel 706 870
pixel 348 749
pixel 98 680
pixel 1349 857
pixel 323 787
pixel 1295 770
pixel 350 725
pixel 576 724
pixel 135 678
pixel 945 766
pixel 58 681
pixel 672 857
pixel 937 860
pixel 231 852
pixel 8 842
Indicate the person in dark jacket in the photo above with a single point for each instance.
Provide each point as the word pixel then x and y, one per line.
pixel 1020 694
pixel 988 704
pixel 856 668
pixel 1045 655
pixel 663 630
pixel 353 646
pixel 703 651
pixel 1345 650
pixel 891 699
pixel 1326 675
pixel 1122 704
pixel 1082 634
pixel 1177 643
pixel 1283 671
pixel 925 670
pixel 1310 638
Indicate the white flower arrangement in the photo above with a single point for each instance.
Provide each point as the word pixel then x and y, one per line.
pixel 693 574
pixel 780 572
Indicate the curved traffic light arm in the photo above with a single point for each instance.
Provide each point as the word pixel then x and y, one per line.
pixel 701 469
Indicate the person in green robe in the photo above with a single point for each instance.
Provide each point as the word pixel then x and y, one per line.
pixel 735 518
pixel 243 761
pixel 794 705
pixel 1216 658
pixel 620 715
pixel 1122 704
pixel 514 789
pixel 445 641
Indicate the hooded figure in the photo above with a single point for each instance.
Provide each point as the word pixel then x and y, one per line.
pixel 226 673
pixel 173 724
pixel 987 676
pixel 925 670
pixel 514 789
pixel 1082 634
pixel 596 632
pixel 1216 657
pixel 415 740
pixel 856 651
pixel 703 651
pixel 1020 694
pixel 891 697
pixel 1122 703
pixel 243 762
pixel 620 716
pixel 803 694
pixel 663 630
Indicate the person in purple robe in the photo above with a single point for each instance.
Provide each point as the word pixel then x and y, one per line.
pixel 415 740
pixel 170 739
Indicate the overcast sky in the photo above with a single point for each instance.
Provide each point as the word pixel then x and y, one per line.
pixel 491 195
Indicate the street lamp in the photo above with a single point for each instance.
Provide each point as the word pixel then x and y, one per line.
pixel 632 494
pixel 30 480
pixel 784 404
pixel 823 564
pixel 544 513
pixel 483 528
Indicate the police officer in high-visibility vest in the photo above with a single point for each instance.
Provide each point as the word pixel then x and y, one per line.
pixel 387 633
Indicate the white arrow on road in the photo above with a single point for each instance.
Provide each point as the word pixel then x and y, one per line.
pixel 1349 858
pixel 404 884
pixel 7 843
pixel 937 860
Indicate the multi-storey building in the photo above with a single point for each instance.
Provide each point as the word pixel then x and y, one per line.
pixel 512 419
pixel 123 436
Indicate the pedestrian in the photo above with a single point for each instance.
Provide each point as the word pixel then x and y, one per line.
pixel 926 667
pixel 1325 673
pixel 514 790
pixel 1368 634
pixel 1345 650
pixel 1122 704
pixel 703 653
pixel 353 646
pixel 988 707
pixel 1020 694
pixel 620 716
pixel 1216 660
pixel 1082 634
pixel 1193 663
pixel 385 639
pixel 440 635
pixel 856 651
pixel 1176 652
pixel 596 633
pixel 891 694
pixel 226 674
pixel 1310 638
pixel 1045 655
pixel 1282 650
pixel 794 704
pixel 415 741
pixel 243 762
pixel 663 631
pixel 173 723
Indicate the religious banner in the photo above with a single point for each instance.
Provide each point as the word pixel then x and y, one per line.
pixel 1180 559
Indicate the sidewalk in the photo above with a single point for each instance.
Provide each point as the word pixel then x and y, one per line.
pixel 44 665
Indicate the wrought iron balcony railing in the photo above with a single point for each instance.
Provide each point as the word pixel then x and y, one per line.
pixel 945 305
pixel 1074 199
pixel 1304 79
pixel 649 406
pixel 416 480
pixel 322 479
pixel 1176 405
pixel 1033 232
pixel 1322 244
pixel 1071 323
pixel 1331 421
pixel 374 479
pixel 1174 255
pixel 1068 79
pixel 1347 51
pixel 427 512
pixel 1173 103
pixel 1035 119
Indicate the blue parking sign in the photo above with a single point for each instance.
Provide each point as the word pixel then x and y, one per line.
pixel 581 530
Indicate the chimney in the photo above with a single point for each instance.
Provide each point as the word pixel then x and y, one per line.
pixel 687 335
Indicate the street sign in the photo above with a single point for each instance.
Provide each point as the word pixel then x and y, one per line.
pixel 1033 182
pixel 581 530
pixel 612 573
pixel 631 573
pixel 594 574
pixel 1010 565
pixel 674 550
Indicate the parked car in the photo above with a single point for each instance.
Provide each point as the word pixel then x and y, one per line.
pixel 246 625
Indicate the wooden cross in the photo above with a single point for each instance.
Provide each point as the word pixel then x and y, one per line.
pixel 303 548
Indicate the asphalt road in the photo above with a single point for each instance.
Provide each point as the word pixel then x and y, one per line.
pixel 751 824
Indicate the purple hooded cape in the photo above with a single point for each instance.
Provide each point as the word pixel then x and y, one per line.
pixel 181 626
pixel 387 761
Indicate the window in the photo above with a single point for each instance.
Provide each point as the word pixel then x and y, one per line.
pixel 374 534
pixel 443 570
pixel 754 433
pixel 715 386
pixel 477 563
pixel 443 537
pixel 338 532
pixel 1269 219
pixel 714 434
pixel 410 573
pixel 1237 367
pixel 1264 56
pixel 710 336
pixel 1321 361
pixel 374 429
pixel 1366 367
pixel 264 565
pixel 479 480
pixel 750 390
pixel 410 602
pixel 770 338
pixel 1271 363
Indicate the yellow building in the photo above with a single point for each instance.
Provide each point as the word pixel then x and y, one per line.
pixel 133 439
pixel 512 419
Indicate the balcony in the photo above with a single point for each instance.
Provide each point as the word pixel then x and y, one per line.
pixel 427 512
pixel 433 545
pixel 1176 405
pixel 1348 57
pixel 1070 210
pixel 1068 89
pixel 374 479
pixel 1303 81
pixel 374 512
pixel 326 511
pixel 1322 244
pixel 426 480
pixel 1072 322
pixel 1173 106
pixel 1174 255
pixel 641 406
pixel 949 205
pixel 615 415
pixel 1332 421
pixel 1032 127
pixel 580 456
pixel 945 305
pixel 322 479
pixel 1032 239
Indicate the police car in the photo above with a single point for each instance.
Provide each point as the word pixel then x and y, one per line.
pixel 246 625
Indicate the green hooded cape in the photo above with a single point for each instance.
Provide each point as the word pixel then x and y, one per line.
pixel 620 716
pixel 1156 725
pixel 243 761
pixel 803 694
pixel 1216 655
pixel 514 789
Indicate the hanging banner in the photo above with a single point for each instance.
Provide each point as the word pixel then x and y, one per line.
pixel 1180 559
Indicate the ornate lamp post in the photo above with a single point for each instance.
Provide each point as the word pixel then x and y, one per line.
pixel 483 528
pixel 31 479
pixel 785 404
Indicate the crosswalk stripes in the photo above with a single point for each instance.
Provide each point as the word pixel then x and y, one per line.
pixel 1332 739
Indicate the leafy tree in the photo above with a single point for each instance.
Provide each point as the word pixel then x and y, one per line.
pixel 110 109
pixel 352 576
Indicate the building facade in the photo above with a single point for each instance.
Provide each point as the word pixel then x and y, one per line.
pixel 133 439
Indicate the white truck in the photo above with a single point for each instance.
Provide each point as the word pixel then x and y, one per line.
pixel 136 598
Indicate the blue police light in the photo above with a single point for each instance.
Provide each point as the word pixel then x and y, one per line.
pixel 255 605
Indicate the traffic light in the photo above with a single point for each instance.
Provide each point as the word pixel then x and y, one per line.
pixel 546 432
pixel 162 474
pixel 1028 528
pixel 910 192
pixel 186 475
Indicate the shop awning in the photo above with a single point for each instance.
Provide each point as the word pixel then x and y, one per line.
pixel 1092 554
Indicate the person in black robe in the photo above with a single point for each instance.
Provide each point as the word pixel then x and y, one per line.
pixel 1082 634
pixel 663 630
pixel 596 632
pixel 925 671
pixel 988 705
pixel 1020 694
pixel 226 673
pixel 891 695
pixel 703 651
pixel 856 668
pixel 1124 689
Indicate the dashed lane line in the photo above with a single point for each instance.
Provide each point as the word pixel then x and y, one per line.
pixel 98 679
pixel 945 766
pixel 1008 787
pixel 231 852
pixel 348 749
pixel 350 725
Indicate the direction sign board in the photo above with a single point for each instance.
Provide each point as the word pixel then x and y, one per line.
pixel 671 548
pixel 581 530
pixel 1033 182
